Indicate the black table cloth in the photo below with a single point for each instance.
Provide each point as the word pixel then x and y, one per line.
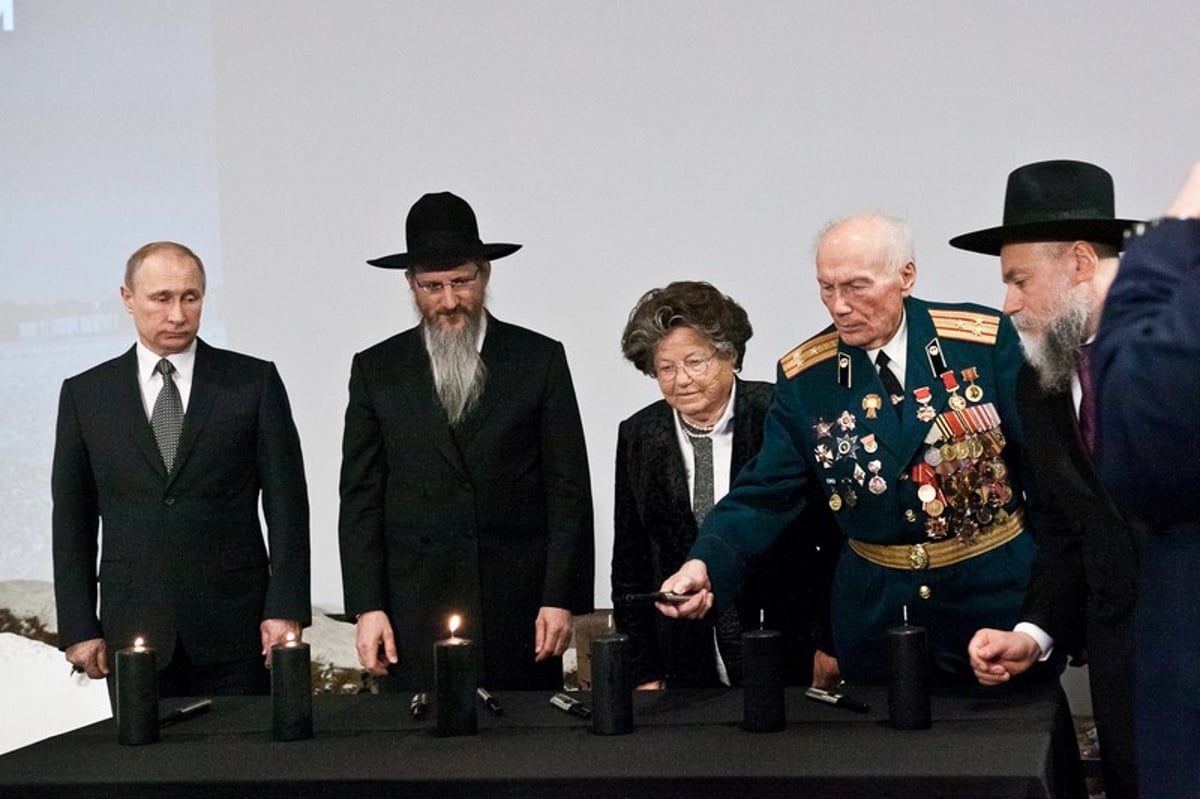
pixel 996 743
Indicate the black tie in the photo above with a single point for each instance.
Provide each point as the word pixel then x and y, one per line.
pixel 167 417
pixel 888 377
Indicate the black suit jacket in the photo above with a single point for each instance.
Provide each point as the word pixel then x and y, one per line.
pixel 491 520
pixel 183 553
pixel 1084 583
pixel 654 528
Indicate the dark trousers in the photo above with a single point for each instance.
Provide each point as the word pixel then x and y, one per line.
pixel 183 677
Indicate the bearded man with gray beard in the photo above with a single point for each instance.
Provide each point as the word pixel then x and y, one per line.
pixel 1058 251
pixel 464 482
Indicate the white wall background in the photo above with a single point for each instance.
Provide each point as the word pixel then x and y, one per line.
pixel 625 144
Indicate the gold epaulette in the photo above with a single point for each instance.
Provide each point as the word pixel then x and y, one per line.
pixel 811 352
pixel 979 328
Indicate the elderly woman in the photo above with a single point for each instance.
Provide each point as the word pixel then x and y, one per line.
pixel 678 456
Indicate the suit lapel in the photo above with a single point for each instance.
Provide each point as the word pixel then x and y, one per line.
pixel 664 459
pixel 206 377
pixel 128 396
pixel 919 374
pixel 416 386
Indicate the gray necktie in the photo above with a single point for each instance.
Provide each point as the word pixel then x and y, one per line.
pixel 702 490
pixel 167 417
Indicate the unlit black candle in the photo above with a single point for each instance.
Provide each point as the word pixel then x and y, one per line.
pixel 762 681
pixel 908 687
pixel 612 685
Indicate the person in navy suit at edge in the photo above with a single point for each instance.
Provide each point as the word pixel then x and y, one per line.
pixel 1146 369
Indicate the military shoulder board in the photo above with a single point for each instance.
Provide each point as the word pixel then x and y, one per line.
pixel 811 352
pixel 979 328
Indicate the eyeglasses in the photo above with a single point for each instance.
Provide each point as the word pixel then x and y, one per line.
pixel 695 366
pixel 435 287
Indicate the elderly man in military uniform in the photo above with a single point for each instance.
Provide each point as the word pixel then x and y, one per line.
pixel 903 412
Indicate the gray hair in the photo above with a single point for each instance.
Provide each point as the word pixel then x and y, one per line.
pixel 894 237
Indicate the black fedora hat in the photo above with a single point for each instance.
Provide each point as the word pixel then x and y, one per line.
pixel 442 232
pixel 1053 201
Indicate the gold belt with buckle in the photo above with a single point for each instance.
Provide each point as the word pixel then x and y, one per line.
pixel 936 554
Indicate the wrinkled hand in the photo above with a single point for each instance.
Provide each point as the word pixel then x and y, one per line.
pixel 91 656
pixel 275 631
pixel 374 642
pixel 997 656
pixel 692 578
pixel 552 633
pixel 826 672
pixel 1187 203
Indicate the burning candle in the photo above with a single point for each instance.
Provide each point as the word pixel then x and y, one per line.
pixel 291 690
pixel 137 695
pixel 455 682
pixel 762 681
pixel 612 684
pixel 908 687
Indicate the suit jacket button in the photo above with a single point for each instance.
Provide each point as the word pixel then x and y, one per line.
pixel 169 501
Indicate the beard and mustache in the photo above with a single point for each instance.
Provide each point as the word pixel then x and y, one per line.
pixel 459 374
pixel 1051 342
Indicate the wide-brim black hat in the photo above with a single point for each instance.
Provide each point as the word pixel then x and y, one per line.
pixel 442 232
pixel 1053 201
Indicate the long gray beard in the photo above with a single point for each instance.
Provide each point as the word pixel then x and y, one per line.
pixel 1054 354
pixel 458 371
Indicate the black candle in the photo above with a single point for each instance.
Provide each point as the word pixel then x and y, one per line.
pixel 291 690
pixel 455 682
pixel 762 681
pixel 908 688
pixel 137 695
pixel 612 685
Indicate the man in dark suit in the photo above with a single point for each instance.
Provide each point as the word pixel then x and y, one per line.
pixel 1058 255
pixel 168 448
pixel 464 477
pixel 912 451
pixel 1148 384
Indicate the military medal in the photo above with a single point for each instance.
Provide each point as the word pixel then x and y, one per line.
pixel 926 493
pixel 846 421
pixel 823 429
pixel 876 485
pixel 871 404
pixel 869 444
pixel 847 446
pixel 956 402
pixel 923 395
pixel 835 499
pixel 859 474
pixel 824 455
pixel 973 392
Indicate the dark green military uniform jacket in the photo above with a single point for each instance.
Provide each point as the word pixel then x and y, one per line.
pixel 936 477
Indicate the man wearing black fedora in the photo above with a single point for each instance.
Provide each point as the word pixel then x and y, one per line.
pixel 1058 251
pixel 464 480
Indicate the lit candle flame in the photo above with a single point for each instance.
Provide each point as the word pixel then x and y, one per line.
pixel 291 639
pixel 139 644
pixel 455 621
